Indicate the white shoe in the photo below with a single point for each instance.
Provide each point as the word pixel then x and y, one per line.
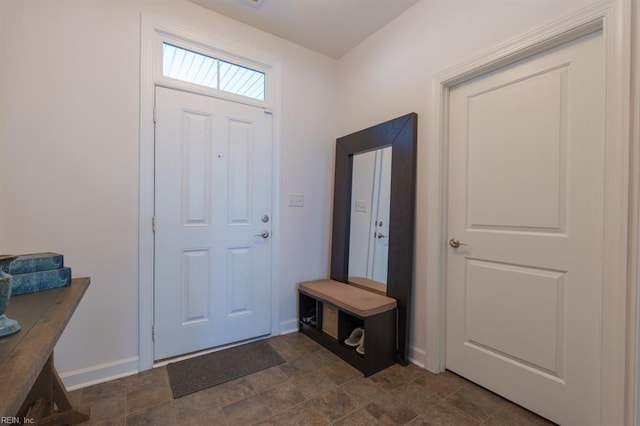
pixel 360 348
pixel 356 338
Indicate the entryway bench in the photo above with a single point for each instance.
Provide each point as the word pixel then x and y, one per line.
pixel 337 309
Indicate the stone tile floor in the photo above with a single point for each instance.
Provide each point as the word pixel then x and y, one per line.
pixel 314 387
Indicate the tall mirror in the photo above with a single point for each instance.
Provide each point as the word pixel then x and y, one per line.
pixel 370 207
pixel 372 239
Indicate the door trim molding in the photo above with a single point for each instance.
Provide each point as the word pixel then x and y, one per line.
pixel 618 312
pixel 151 28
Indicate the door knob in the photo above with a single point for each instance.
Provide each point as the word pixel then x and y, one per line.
pixel 455 243
pixel 263 234
pixel 381 235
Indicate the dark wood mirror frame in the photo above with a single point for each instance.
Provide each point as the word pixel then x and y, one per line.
pixel 401 134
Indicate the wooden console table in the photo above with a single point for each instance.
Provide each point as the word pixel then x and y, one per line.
pixel 30 389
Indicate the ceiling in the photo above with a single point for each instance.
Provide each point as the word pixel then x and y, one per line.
pixel 331 27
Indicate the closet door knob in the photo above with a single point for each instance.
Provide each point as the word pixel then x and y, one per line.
pixel 455 243
pixel 263 234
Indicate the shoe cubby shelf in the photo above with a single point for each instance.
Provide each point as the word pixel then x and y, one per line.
pixel 355 308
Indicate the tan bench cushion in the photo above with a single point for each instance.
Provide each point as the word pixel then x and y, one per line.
pixel 348 298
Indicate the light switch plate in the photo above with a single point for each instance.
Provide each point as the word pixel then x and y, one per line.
pixel 361 206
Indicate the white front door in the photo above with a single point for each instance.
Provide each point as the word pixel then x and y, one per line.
pixel 213 219
pixel 526 196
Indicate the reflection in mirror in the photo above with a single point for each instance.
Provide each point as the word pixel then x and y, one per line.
pixel 370 202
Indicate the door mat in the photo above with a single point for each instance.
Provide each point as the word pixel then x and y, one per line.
pixel 205 371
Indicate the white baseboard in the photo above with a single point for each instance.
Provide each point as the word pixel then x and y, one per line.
pixel 84 377
pixel 418 356
pixel 94 375
pixel 289 326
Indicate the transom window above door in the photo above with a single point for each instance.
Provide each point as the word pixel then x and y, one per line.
pixel 195 68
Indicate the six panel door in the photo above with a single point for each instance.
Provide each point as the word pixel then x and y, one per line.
pixel 213 208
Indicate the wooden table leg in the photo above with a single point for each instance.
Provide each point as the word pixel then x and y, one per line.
pixel 66 414
pixel 39 402
pixel 48 402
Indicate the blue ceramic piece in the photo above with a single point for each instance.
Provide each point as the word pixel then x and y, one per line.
pixel 5 291
pixel 38 281
pixel 7 326
pixel 27 263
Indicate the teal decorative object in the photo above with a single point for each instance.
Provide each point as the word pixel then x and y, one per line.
pixel 7 326
pixel 29 263
pixel 39 281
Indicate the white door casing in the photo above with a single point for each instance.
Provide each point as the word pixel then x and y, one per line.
pixel 526 196
pixel 155 30
pixel 213 201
